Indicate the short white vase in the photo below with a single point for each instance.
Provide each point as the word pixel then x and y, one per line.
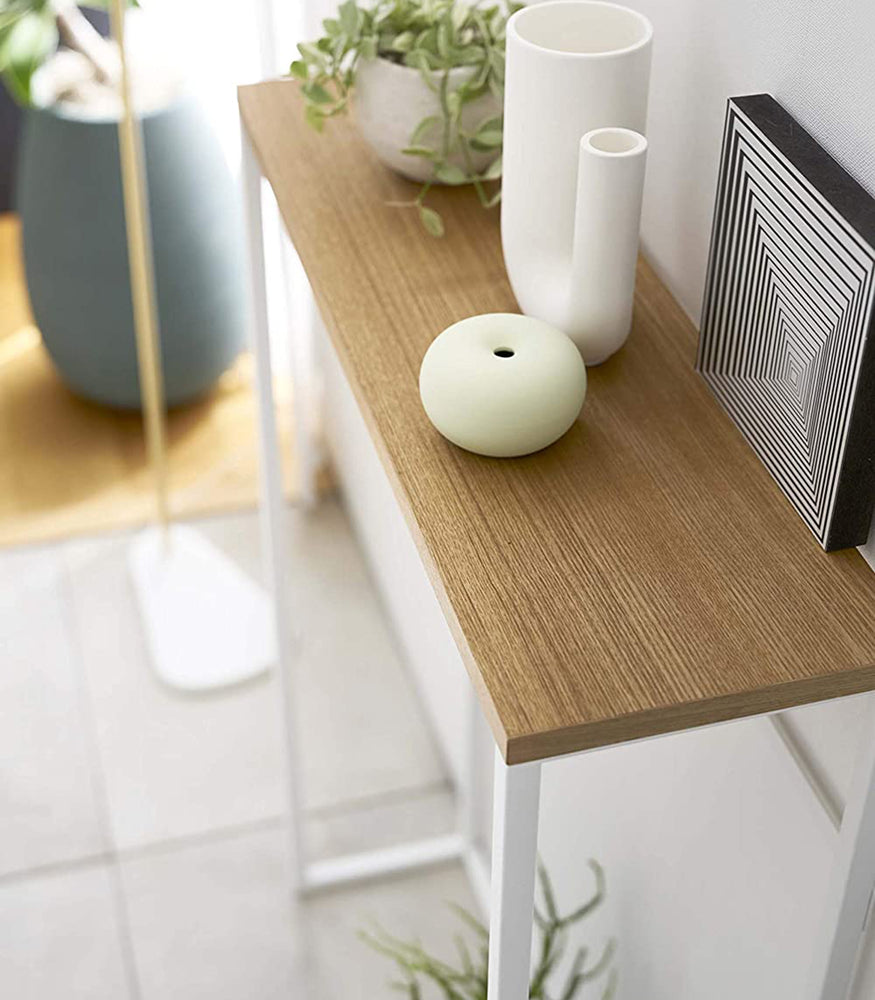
pixel 575 106
pixel 389 101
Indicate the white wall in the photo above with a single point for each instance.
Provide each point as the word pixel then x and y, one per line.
pixel 716 852
pixel 816 59
pixel 813 57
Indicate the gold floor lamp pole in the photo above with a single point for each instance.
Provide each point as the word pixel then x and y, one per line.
pixel 142 278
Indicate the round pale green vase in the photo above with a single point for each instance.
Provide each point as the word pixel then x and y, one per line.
pixel 69 195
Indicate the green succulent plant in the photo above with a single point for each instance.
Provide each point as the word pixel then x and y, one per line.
pixel 30 31
pixel 469 979
pixel 433 37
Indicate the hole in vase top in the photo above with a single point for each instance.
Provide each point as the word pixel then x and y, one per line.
pixel 582 28
pixel 615 141
pixel 503 352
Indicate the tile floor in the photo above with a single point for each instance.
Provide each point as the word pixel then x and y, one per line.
pixel 141 831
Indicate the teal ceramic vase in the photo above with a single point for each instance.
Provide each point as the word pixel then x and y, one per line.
pixel 69 195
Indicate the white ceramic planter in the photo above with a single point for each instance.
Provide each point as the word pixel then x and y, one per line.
pixel 574 66
pixel 390 100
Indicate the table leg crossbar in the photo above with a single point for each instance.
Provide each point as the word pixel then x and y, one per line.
pixel 416 855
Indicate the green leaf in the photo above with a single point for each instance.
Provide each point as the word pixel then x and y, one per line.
pixel 449 173
pixel 596 897
pixel 493 171
pixel 331 26
pixel 337 48
pixel 443 40
pixel 350 17
pixel 316 93
pixel 459 14
pixel 602 964
pixel 311 53
pixel 299 69
pixel 368 47
pixel 423 151
pixel 427 41
pixel 470 55
pixel 24 47
pixel 403 42
pixel 482 78
pixel 547 891
pixel 480 22
pixel 315 117
pixel 611 988
pixel 8 17
pixel 419 60
pixel 496 61
pixel 486 140
pixel 431 221
pixel 426 125
pixel 493 124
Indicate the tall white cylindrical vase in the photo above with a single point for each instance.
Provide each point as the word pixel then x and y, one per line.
pixel 610 185
pixel 572 66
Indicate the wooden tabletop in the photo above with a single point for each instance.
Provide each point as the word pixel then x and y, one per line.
pixel 641 576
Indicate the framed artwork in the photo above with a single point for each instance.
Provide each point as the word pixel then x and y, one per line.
pixel 787 342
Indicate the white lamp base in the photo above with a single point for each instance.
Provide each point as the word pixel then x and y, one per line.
pixel 207 624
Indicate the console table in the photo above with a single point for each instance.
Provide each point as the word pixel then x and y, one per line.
pixel 642 576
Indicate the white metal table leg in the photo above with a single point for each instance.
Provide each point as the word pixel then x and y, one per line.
pixel 514 859
pixel 304 876
pixel 275 552
pixel 851 884
pixel 468 793
pixel 302 318
pixel 469 797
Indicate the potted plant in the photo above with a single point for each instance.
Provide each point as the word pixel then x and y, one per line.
pixel 425 82
pixel 468 980
pixel 69 196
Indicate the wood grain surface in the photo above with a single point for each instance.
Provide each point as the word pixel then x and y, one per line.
pixel 641 576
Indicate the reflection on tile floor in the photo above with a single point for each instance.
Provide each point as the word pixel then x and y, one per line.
pixel 141 838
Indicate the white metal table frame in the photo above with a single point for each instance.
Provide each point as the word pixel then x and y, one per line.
pixel 508 895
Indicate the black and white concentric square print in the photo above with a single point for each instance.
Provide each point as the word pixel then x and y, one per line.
pixel 787 341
